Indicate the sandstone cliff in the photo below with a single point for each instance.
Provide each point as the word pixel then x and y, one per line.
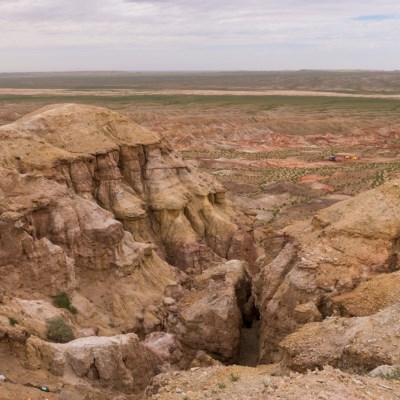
pixel 105 158
pixel 94 205
pixel 317 263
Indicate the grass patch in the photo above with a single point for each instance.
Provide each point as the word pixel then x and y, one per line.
pixel 12 321
pixel 62 300
pixel 300 103
pixel 339 81
pixel 221 386
pixel 59 331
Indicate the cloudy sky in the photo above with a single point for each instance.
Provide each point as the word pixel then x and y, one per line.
pixel 64 35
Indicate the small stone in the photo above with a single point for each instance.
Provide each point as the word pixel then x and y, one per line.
pixel 169 301
pixel 173 309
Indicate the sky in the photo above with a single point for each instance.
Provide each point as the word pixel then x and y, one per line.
pixel 165 35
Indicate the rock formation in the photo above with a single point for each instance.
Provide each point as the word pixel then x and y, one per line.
pixel 160 268
pixel 132 173
pixel 209 318
pixel 94 205
pixel 120 362
pixel 360 344
pixel 316 265
pixel 89 197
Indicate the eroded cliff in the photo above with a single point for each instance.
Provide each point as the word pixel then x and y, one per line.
pixel 94 205
pixel 321 268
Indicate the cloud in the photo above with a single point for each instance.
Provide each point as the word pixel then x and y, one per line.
pixel 199 34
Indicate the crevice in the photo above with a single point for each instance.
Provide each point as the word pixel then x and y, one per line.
pixel 325 308
pixel 93 372
pixel 249 345
pixel 248 351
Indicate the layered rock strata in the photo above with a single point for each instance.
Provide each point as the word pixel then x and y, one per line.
pixel 94 204
pixel 316 263
pixel 108 160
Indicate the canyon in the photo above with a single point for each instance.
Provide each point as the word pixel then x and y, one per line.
pixel 170 281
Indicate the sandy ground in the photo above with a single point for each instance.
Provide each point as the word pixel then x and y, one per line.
pixel 243 383
pixel 131 92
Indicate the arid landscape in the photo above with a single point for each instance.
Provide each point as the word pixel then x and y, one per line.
pixel 190 236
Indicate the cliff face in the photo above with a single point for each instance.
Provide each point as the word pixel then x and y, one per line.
pixel 94 205
pixel 319 267
pixel 89 198
pixel 131 172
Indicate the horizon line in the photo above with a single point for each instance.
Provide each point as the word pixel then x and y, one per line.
pixel 77 71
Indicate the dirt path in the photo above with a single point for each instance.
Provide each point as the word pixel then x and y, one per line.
pixel 132 92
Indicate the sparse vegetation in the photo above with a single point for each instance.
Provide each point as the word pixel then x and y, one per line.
pixel 394 375
pixel 221 386
pixel 12 321
pixel 62 300
pixel 234 377
pixel 59 331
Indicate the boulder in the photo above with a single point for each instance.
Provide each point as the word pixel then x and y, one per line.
pixel 210 317
pixel 120 362
pixel 167 348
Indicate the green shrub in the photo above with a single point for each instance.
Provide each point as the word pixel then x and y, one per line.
pixel 59 331
pixel 12 321
pixel 62 300
pixel 234 377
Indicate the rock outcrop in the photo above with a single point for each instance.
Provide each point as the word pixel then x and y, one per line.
pixel 108 161
pixel 317 264
pixel 369 297
pixel 120 362
pixel 93 205
pixel 167 348
pixel 87 197
pixel 209 318
pixel 360 343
